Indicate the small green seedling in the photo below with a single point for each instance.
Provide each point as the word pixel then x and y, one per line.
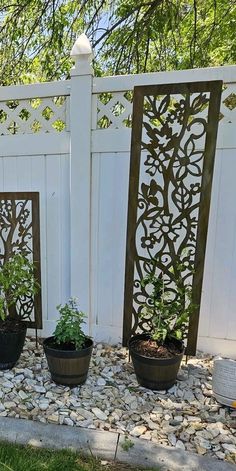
pixel 127 444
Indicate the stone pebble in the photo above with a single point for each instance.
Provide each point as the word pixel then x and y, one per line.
pixel 185 417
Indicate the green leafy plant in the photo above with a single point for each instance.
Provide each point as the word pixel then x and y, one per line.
pixel 168 316
pixel 16 280
pixel 127 444
pixel 68 329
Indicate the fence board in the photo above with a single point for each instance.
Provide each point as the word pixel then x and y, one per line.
pixel 35 90
pixel 109 207
pixel 35 144
pixel 128 82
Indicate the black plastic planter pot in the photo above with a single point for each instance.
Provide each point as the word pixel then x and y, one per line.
pixel 68 367
pixel 155 373
pixel 11 346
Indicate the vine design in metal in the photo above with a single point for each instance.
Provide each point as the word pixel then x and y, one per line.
pixel 172 156
pixel 19 233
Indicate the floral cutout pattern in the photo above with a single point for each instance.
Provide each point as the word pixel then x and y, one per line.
pixel 17 235
pixel 174 128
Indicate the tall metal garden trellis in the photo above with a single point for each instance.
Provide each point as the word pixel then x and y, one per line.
pixel 20 233
pixel 173 145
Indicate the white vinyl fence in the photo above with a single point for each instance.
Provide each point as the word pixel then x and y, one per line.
pixel 74 149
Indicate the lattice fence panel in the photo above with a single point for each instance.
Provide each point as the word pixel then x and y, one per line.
pixel 33 115
pixel 114 110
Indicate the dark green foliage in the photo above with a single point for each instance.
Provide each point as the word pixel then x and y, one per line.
pixel 167 313
pixel 128 36
pixel 127 444
pixel 68 329
pixel 16 281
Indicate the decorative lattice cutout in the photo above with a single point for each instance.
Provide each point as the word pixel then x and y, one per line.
pixel 230 101
pixel 114 110
pixel 32 116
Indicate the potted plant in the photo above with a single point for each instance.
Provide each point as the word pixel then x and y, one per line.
pixel 16 281
pixel 69 350
pixel 157 355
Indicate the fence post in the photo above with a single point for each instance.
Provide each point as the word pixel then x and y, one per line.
pixel 80 171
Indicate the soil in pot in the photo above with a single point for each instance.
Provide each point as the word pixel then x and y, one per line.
pixel 67 365
pixel 51 342
pixel 150 348
pixel 156 366
pixel 12 339
pixel 12 326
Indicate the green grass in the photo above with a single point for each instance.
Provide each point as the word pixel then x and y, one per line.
pixel 16 458
pixel 19 458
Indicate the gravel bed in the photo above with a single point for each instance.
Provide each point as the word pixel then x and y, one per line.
pixel 186 417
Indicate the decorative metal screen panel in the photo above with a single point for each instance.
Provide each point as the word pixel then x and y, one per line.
pixel 174 134
pixel 19 233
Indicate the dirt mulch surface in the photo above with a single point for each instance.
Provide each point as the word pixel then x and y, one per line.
pixel 150 348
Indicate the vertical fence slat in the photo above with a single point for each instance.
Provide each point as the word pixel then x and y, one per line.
pixel 80 179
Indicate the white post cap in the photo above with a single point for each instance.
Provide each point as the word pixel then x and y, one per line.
pixel 82 54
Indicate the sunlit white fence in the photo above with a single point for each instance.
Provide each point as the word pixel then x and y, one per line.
pixel 70 141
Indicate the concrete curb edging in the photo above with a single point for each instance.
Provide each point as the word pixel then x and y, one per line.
pixel 149 454
pixel 106 445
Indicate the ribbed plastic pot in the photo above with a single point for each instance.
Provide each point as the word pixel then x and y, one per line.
pixel 224 381
pixel 11 346
pixel 68 367
pixel 155 373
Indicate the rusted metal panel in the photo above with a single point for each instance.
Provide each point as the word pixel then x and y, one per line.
pixel 173 144
pixel 20 233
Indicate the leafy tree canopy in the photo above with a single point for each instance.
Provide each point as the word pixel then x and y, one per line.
pixel 128 36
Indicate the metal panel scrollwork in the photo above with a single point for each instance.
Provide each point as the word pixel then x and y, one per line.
pixel 174 134
pixel 19 233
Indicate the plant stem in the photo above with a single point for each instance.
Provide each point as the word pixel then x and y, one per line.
pixel 162 299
